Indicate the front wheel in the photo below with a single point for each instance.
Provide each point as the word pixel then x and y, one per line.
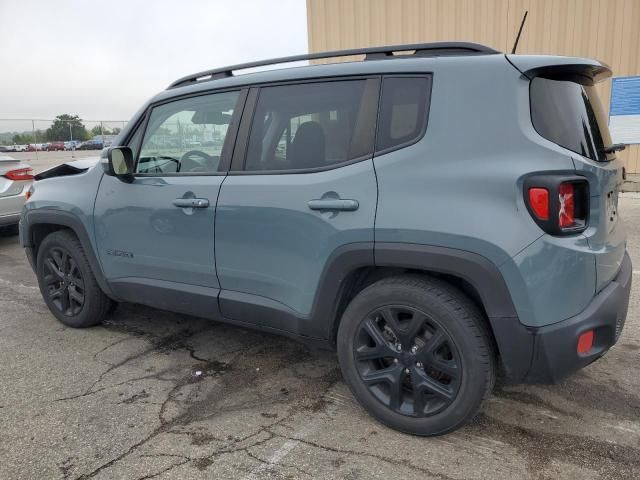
pixel 67 283
pixel 416 354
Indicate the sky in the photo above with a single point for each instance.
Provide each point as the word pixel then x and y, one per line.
pixel 102 60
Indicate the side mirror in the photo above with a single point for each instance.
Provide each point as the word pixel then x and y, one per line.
pixel 120 163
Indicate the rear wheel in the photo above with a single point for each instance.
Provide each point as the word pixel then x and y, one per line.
pixel 67 283
pixel 416 354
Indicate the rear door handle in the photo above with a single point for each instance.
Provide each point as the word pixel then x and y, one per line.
pixel 191 202
pixel 333 204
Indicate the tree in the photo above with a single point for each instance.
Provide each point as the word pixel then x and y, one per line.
pixel 22 139
pixel 65 125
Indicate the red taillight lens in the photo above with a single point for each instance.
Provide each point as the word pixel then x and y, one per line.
pixel 585 342
pixel 566 214
pixel 539 201
pixel 20 174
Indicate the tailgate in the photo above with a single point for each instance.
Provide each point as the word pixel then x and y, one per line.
pixel 606 233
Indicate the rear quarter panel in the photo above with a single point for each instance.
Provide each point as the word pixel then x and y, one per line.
pixel 461 185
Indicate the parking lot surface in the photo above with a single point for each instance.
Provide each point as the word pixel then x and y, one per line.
pixel 152 394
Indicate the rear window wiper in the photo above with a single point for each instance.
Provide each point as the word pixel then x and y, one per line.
pixel 616 147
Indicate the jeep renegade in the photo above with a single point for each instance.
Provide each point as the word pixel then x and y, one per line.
pixel 438 217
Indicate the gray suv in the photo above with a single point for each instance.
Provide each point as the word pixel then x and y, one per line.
pixel 439 217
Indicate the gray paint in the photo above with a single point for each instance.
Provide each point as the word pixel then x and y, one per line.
pixel 460 187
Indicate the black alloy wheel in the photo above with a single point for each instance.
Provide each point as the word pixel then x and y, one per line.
pixel 407 360
pixel 64 282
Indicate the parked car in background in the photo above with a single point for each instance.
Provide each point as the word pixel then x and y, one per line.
pixel 20 148
pixel 71 144
pixel 90 145
pixel 15 178
pixel 55 146
pixel 7 148
pixel 36 147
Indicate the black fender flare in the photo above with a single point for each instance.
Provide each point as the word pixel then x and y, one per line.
pixel 31 218
pixel 514 341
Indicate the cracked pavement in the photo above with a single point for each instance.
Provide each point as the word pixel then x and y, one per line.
pixel 152 394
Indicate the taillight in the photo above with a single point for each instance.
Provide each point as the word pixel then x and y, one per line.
pixel 539 201
pixel 566 216
pixel 559 204
pixel 20 174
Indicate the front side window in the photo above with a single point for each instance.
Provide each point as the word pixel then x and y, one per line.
pixel 570 115
pixel 187 136
pixel 312 125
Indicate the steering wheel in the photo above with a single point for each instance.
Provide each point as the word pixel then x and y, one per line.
pixel 187 157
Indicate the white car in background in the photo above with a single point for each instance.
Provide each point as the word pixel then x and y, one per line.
pixel 15 178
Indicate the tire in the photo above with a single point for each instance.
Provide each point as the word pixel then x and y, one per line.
pixel 427 384
pixel 65 276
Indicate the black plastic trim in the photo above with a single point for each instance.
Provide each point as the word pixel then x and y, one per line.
pixel 172 296
pixel 372 53
pixel 30 218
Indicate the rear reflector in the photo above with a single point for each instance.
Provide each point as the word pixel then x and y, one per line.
pixel 585 342
pixel 566 215
pixel 20 174
pixel 539 202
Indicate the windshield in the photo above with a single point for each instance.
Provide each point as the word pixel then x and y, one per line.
pixel 570 114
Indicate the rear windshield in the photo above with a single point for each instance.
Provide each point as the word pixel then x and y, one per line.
pixel 570 114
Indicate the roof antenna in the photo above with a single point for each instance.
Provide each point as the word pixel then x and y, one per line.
pixel 515 45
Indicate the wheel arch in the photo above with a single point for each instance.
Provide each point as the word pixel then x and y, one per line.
pixel 354 267
pixel 35 225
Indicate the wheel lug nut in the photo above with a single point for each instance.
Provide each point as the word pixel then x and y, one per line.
pixel 406 370
pixel 414 349
pixel 398 346
pixel 395 360
pixel 419 364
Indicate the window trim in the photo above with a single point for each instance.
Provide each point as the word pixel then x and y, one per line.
pixel 238 163
pixel 423 131
pixel 227 146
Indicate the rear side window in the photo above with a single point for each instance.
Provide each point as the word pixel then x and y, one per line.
pixel 570 115
pixel 403 112
pixel 312 125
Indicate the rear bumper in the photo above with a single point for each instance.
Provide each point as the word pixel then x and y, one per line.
pixel 555 353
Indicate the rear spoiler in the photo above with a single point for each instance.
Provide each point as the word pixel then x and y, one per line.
pixel 581 70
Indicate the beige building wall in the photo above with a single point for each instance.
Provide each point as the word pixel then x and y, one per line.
pixel 608 30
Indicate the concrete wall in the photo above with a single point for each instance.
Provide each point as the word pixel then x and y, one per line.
pixel 608 30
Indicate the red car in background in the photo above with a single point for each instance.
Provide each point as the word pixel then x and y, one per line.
pixel 55 146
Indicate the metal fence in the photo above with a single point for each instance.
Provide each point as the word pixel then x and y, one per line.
pixel 37 131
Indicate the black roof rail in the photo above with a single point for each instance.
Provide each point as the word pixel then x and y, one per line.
pixel 371 53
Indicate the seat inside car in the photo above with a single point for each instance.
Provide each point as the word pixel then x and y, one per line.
pixel 308 146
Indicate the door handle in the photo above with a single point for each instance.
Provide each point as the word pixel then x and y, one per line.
pixel 191 202
pixel 345 205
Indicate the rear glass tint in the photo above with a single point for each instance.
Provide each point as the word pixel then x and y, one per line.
pixel 403 111
pixel 570 115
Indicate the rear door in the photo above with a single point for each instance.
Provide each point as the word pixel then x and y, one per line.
pixel 302 185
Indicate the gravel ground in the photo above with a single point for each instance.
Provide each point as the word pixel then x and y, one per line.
pixel 156 395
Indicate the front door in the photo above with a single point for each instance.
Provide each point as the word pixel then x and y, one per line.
pixel 156 234
pixel 305 187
